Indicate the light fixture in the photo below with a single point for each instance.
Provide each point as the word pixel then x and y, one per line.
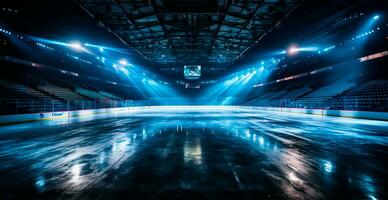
pixel 76 45
pixel 292 50
pixel 123 62
pixel 261 69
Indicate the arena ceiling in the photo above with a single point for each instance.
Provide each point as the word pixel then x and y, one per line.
pixel 189 31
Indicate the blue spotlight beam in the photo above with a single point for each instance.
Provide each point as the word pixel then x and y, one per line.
pixel 240 83
pixel 106 48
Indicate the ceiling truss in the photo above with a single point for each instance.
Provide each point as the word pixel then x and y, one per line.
pixel 189 31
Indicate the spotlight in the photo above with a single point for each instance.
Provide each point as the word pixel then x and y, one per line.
pixel 123 62
pixel 76 45
pixel 293 50
pixel 376 17
pixel 101 49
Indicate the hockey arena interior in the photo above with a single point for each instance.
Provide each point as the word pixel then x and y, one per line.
pixel 194 99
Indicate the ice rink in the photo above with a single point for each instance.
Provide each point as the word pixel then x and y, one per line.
pixel 199 154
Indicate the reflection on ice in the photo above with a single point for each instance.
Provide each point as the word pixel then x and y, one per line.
pixel 327 166
pixel 293 178
pixel 261 141
pixel 368 187
pixel 192 152
pixel 298 158
pixel 40 183
pixel 76 178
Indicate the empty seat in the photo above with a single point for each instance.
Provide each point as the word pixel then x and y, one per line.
pixel 60 92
